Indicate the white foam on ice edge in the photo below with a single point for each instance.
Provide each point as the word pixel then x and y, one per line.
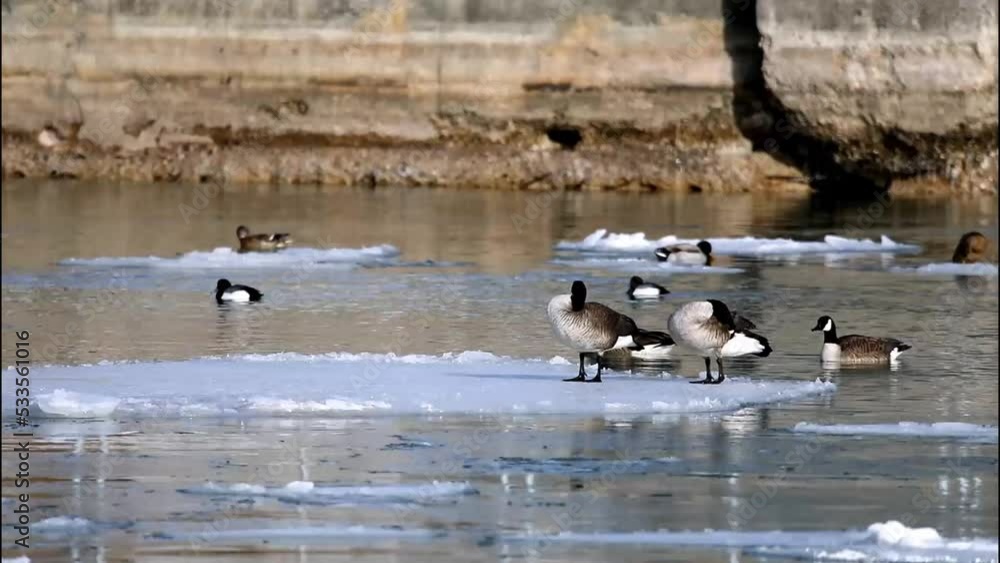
pixel 603 241
pixel 308 492
pixel 21 559
pixel 373 384
pixel 224 257
pixel 888 541
pixel 950 269
pixel 910 429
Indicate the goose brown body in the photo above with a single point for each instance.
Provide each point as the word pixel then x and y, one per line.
pixel 856 348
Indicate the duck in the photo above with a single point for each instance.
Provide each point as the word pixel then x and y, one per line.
pixel 711 330
pixel 699 254
pixel 972 248
pixel 261 242
pixel 639 289
pixel 855 348
pixel 592 328
pixel 227 292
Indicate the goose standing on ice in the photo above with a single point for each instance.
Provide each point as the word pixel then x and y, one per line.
pixel 592 328
pixel 694 254
pixel 972 248
pixel 639 289
pixel 712 331
pixel 227 292
pixel 854 348
pixel 261 242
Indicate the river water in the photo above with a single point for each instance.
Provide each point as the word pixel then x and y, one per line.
pixel 397 394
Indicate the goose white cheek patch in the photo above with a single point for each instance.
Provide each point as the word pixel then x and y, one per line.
pixel 828 327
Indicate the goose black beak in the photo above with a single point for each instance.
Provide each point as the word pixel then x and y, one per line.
pixel 817 327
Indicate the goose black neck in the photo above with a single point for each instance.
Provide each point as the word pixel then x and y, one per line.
pixel 578 295
pixel 830 336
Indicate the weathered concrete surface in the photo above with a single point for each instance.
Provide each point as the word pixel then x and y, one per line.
pixel 567 94
pixel 895 88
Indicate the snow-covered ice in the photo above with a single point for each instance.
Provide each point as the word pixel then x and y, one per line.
pixel 603 241
pixel 366 384
pixel 915 429
pixel 227 258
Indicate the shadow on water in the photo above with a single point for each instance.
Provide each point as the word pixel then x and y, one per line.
pixel 768 124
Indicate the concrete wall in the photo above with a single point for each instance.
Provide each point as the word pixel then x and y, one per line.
pixel 896 87
pixel 662 93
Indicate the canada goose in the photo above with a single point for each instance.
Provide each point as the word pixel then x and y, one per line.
pixel 711 330
pixel 593 328
pixel 225 291
pixel 262 242
pixel 656 346
pixel 854 348
pixel 639 289
pixel 972 248
pixel 694 254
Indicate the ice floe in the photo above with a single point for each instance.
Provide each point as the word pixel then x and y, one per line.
pixel 949 269
pixel 227 258
pixel 362 534
pixel 888 541
pixel 914 429
pixel 307 492
pixel 64 526
pixel 643 265
pixel 373 384
pixel 71 404
pixel 603 241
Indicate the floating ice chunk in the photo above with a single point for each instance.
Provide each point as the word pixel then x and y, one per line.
pixel 470 382
pixel 888 541
pixel 308 492
pixel 603 241
pixel 64 526
pixel 917 429
pixel 950 269
pixel 71 404
pixel 224 257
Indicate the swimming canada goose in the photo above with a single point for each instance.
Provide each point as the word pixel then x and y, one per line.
pixel 854 348
pixel 711 330
pixel 972 248
pixel 694 254
pixel 593 328
pixel 226 292
pixel 639 289
pixel 262 242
